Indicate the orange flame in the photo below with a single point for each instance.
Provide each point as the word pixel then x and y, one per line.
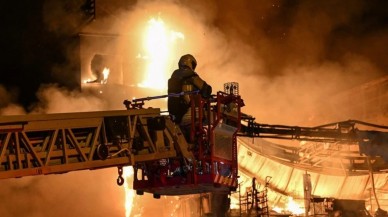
pixel 105 73
pixel 158 43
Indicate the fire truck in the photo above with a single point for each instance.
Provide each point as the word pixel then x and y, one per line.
pixel 167 160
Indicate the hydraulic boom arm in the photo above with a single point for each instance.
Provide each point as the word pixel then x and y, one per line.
pixel 371 142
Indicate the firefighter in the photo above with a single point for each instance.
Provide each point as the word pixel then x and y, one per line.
pixel 185 79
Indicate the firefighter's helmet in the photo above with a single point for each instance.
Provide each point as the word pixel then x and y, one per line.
pixel 187 61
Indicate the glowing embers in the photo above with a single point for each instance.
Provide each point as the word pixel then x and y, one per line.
pixel 159 44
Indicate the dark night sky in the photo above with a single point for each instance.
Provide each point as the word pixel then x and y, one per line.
pixel 31 54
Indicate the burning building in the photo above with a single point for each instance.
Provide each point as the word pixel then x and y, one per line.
pixel 127 58
pixel 337 172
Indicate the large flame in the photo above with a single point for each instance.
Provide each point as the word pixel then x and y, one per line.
pixel 158 42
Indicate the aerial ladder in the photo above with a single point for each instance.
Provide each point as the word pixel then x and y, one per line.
pixel 166 159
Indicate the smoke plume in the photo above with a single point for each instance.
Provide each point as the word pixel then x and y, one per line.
pixel 8 105
pixel 53 99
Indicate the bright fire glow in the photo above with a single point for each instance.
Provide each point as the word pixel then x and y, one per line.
pixel 293 207
pixel 129 192
pixel 234 203
pixel 105 73
pixel 87 81
pixel 158 43
pixel 277 209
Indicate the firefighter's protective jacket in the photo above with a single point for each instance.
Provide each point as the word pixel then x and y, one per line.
pixel 184 80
